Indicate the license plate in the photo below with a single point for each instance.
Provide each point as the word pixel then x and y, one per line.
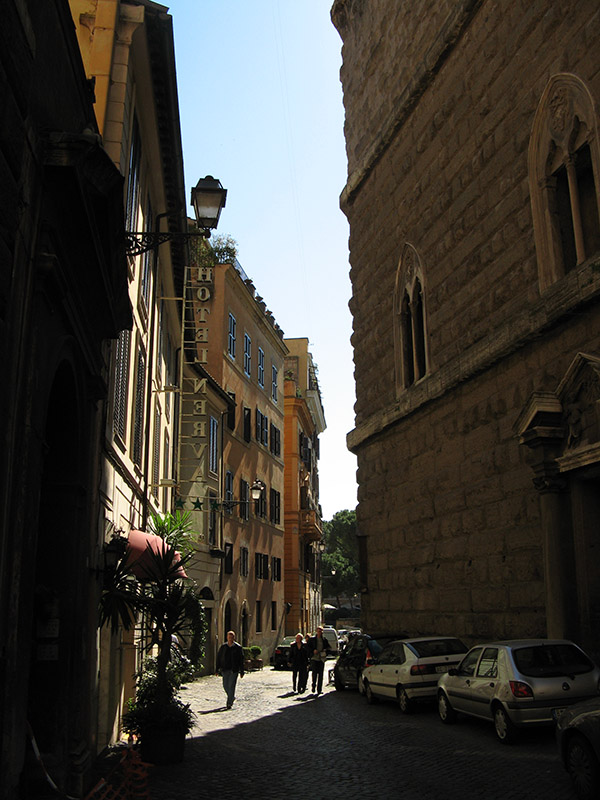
pixel 441 668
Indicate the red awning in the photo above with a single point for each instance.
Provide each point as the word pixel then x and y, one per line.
pixel 139 557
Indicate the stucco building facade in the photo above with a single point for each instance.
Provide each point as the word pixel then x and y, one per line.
pixel 473 195
pixel 304 422
pixel 241 347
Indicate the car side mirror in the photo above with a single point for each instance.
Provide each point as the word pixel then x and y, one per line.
pixel 369 661
pixel 452 671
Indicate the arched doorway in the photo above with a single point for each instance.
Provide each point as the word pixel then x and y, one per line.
pixel 58 685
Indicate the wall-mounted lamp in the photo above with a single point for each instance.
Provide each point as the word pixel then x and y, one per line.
pixel 256 491
pixel 208 200
pixel 113 552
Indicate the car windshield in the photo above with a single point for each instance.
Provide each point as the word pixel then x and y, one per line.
pixel 551 660
pixel 287 641
pixel 438 647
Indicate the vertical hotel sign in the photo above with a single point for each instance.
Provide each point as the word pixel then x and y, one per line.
pixel 193 420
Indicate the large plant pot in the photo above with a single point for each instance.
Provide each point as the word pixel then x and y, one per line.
pixel 162 744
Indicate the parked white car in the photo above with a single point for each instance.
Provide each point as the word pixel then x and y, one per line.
pixel 408 670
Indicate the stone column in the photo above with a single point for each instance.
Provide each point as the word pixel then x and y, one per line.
pixel 545 443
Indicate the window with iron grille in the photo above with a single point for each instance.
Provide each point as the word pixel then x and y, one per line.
pixel 228 560
pixel 121 383
pixel 247 424
pixel 156 452
pixel 261 368
pixel 244 562
pixel 274 374
pixel 275 506
pixel 231 336
pixel 247 355
pixel 213 446
pixel 228 505
pixel 140 397
pixel 244 505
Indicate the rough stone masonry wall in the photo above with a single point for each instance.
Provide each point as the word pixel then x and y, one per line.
pixel 445 497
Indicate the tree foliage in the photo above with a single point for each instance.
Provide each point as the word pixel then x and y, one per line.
pixel 340 560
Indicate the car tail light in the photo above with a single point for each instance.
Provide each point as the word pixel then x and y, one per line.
pixel 278 652
pixel 520 689
pixel 421 669
pixel 368 658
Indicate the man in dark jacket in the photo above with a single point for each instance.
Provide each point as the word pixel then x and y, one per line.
pixel 230 664
pixel 319 648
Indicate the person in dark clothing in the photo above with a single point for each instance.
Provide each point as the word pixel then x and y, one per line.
pixel 230 664
pixel 298 661
pixel 319 648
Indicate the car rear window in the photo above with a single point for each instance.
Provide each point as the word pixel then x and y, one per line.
pixel 551 660
pixel 439 647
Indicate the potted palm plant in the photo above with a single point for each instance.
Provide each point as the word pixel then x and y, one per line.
pixel 153 583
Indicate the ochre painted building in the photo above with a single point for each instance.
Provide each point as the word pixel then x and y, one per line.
pixel 472 196
pixel 304 422
pixel 240 346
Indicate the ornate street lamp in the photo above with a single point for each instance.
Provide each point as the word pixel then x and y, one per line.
pixel 208 200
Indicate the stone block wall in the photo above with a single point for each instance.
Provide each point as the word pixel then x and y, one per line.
pixel 440 100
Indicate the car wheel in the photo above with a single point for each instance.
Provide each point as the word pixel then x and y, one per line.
pixel 338 682
pixel 445 710
pixel 369 694
pixel 505 730
pixel 404 701
pixel 583 767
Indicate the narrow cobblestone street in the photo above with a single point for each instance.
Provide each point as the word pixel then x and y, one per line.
pixel 275 744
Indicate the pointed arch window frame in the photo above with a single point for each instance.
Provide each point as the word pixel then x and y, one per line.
pixel 565 123
pixel 411 355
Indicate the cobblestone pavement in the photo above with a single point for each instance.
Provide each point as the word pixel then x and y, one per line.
pixel 276 744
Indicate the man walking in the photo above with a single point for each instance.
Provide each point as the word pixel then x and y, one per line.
pixel 230 664
pixel 318 647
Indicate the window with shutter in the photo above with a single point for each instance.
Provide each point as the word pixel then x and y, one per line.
pixel 121 383
pixel 138 423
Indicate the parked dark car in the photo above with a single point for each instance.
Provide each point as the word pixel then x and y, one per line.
pixel 360 651
pixel 578 740
pixel 280 657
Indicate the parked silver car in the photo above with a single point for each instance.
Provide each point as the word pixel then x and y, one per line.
pixel 408 670
pixel 518 683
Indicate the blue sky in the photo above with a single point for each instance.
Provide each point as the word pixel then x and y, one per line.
pixel 261 110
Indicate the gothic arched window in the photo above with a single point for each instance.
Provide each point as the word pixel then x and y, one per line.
pixel 409 321
pixel 564 172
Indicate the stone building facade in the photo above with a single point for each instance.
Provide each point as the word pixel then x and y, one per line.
pixel 472 196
